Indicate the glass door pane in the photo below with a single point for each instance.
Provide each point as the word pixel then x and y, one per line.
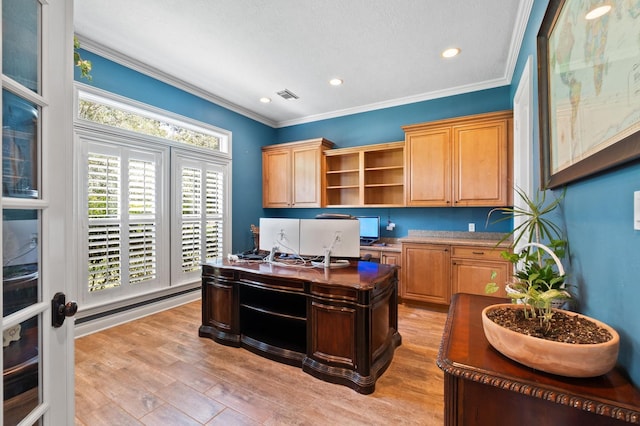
pixel 19 146
pixel 20 42
pixel 21 337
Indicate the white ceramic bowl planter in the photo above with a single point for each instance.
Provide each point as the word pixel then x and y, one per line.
pixel 564 359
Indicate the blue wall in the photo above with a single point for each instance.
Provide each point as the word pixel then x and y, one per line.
pixel 247 135
pixel 598 216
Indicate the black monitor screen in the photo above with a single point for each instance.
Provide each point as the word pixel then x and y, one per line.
pixel 369 226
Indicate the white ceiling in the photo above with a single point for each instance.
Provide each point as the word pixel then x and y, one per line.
pixel 237 51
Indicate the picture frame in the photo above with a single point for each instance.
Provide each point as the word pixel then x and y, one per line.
pixel 588 90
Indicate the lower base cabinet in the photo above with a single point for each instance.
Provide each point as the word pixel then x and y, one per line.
pixel 426 273
pixel 473 267
pixel 432 273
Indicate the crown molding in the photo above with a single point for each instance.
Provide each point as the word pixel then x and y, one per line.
pixel 459 90
pixel 136 65
pixel 522 20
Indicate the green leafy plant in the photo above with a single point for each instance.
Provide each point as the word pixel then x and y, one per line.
pixel 537 286
pixel 539 278
pixel 83 64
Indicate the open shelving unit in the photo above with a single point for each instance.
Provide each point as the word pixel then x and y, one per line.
pixel 371 176
pixel 277 319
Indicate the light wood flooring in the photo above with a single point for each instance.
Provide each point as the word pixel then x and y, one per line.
pixel 157 371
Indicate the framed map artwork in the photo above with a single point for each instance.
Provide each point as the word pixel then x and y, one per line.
pixel 589 88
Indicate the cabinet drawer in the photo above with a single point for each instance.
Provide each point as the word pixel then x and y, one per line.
pixel 480 253
pixel 375 254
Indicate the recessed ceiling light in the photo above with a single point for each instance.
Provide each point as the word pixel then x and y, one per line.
pixel 265 100
pixel 335 82
pixel 597 12
pixel 450 53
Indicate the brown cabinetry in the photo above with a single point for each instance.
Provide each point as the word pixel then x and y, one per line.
pixel 472 268
pixel 291 173
pixel 383 255
pixel 371 176
pixel 433 272
pixel 426 273
pixel 458 162
pixel 390 258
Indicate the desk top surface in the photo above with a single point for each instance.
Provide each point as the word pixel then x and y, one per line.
pixel 465 352
pixel 359 275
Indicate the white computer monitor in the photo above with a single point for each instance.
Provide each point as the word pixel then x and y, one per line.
pixel 337 238
pixel 280 235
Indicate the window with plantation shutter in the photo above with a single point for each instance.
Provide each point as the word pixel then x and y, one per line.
pixel 214 213
pixel 142 221
pixel 200 209
pixel 123 224
pixel 191 211
pixel 104 195
pixel 155 209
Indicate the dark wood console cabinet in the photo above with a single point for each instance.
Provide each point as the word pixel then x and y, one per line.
pixel 482 387
pixel 339 325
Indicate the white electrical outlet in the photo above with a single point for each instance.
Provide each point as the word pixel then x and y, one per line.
pixel 472 227
pixel 636 210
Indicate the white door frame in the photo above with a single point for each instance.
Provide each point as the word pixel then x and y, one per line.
pixel 56 348
pixel 523 139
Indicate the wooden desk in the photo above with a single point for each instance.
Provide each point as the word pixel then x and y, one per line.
pixel 339 325
pixel 482 387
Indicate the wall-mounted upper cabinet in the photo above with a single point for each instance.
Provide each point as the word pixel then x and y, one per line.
pixel 458 162
pixel 292 173
pixel 365 176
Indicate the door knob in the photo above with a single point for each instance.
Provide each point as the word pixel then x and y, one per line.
pixel 60 309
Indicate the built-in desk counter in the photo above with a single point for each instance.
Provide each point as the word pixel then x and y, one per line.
pixel 339 325
pixel 438 264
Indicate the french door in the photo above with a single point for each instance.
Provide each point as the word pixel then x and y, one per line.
pixel 37 75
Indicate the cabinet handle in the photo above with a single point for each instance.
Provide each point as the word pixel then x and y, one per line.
pixel 477 252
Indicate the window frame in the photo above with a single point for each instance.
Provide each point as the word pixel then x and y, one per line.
pixel 177 160
pixel 112 99
pixel 92 142
pixel 88 130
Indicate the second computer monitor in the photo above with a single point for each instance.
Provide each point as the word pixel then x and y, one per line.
pixel 340 236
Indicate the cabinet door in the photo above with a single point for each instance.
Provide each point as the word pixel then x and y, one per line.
pixel 276 178
pixel 333 334
pixel 481 164
pixel 471 276
pixel 428 162
pixel 425 273
pixel 305 177
pixel 218 311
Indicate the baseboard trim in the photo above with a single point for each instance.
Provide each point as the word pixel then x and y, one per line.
pixel 98 322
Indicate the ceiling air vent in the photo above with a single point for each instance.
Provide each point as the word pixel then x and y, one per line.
pixel 287 94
